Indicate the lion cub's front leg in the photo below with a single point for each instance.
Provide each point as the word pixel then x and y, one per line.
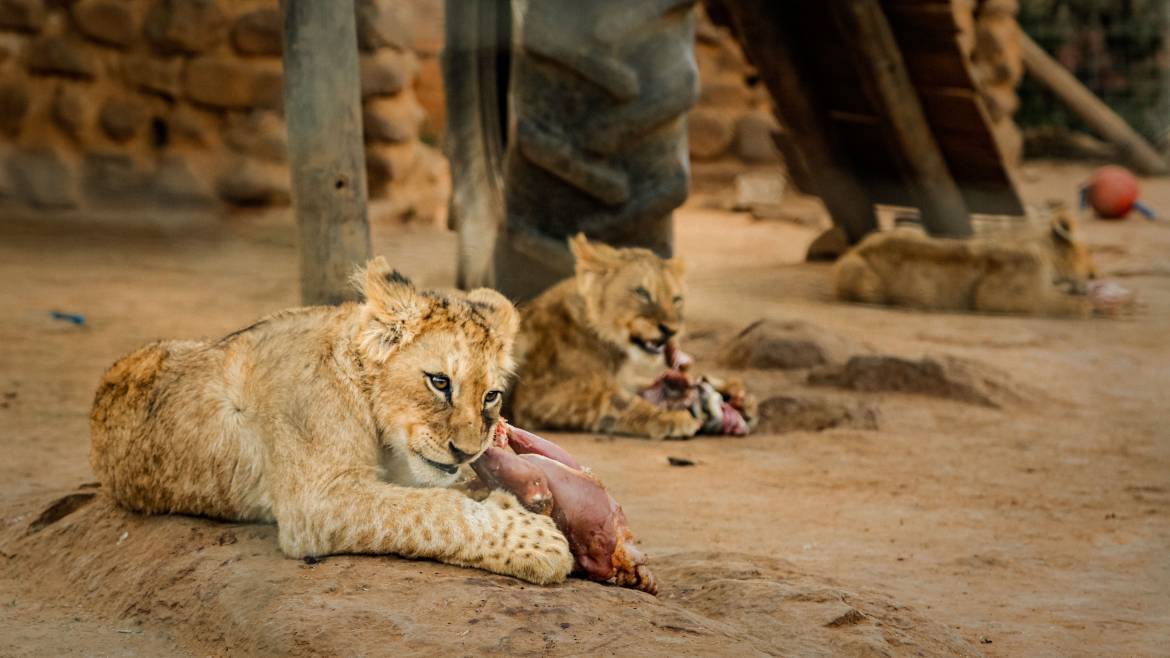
pixel 601 405
pixel 359 516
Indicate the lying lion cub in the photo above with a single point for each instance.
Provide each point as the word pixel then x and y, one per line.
pixel 589 344
pixel 1043 272
pixel 343 424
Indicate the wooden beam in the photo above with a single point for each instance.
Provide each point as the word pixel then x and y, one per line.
pixel 878 61
pixel 322 106
pixel 762 26
pixel 1054 77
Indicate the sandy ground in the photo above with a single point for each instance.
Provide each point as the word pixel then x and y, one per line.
pixel 1037 529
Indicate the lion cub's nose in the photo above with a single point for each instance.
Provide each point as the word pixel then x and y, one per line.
pixel 459 455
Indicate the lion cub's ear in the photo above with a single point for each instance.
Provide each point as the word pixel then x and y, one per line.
pixel 394 307
pixel 677 266
pixel 596 257
pixel 1063 227
pixel 499 312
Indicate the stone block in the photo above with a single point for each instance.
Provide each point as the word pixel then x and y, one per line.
pixel 60 55
pixel 753 137
pixel 233 84
pixel 70 110
pixel 114 179
pixel 176 183
pixel 383 23
pixel 709 133
pixel 107 21
pixel 22 15
pixel 261 134
pixel 13 106
pixel 258 33
pixel 158 75
pixel 121 118
pixel 387 72
pixel 247 182
pixel 392 120
pixel 187 26
pixel 42 179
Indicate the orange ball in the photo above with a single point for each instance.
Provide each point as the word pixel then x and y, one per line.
pixel 1112 191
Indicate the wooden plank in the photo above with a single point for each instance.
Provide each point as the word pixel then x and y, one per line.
pixel 766 29
pixel 879 61
pixel 1088 107
pixel 322 105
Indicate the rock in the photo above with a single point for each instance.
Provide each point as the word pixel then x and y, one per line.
pixel 786 413
pixel 13 106
pixel 392 120
pixel 175 183
pixel 753 137
pixel 250 183
pixel 187 126
pixel 828 246
pixel 107 21
pixel 114 180
pixel 944 377
pixel 709 133
pixel 42 179
pixel 383 23
pixel 259 33
pixel 70 110
pixel 387 72
pixel 163 76
pixel 22 15
pixel 186 26
pixel 712 602
pixel 121 118
pixel 785 345
pixel 379 170
pixel 726 91
pixel 59 55
pixel 233 84
pixel 759 191
pixel 260 134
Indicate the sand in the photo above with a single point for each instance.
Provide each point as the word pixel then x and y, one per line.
pixel 1037 526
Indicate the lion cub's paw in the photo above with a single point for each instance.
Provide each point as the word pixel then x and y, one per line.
pixel 524 544
pixel 673 425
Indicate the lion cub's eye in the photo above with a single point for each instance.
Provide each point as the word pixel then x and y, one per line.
pixel 678 300
pixel 491 398
pixel 440 382
pixel 644 294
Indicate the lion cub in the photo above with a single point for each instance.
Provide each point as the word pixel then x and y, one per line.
pixel 589 344
pixel 1042 272
pixel 344 425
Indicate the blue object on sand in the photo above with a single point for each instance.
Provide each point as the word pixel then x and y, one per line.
pixel 76 318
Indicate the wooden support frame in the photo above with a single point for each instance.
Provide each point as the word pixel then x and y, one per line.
pixel 879 63
pixel 806 143
pixel 322 107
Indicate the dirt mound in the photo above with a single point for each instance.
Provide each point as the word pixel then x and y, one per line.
pixel 790 413
pixel 947 377
pixel 785 345
pixel 224 588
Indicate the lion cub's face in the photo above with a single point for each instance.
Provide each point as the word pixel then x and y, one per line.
pixel 438 363
pixel 1072 264
pixel 633 298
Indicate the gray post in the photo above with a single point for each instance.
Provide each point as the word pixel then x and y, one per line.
pixel 322 105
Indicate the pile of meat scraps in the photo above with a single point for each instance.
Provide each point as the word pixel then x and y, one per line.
pixel 723 407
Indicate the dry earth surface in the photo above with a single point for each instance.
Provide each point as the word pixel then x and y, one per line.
pixel 1033 521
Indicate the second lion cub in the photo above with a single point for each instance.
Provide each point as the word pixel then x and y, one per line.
pixel 589 344
pixel 1042 272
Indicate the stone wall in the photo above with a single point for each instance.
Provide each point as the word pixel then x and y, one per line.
pixel 177 103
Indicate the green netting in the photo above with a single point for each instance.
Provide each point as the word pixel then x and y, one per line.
pixel 1118 48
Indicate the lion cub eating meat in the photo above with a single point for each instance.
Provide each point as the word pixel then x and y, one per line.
pixel 1042 272
pixel 589 344
pixel 344 425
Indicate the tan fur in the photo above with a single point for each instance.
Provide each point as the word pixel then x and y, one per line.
pixel 581 362
pixel 322 420
pixel 1030 272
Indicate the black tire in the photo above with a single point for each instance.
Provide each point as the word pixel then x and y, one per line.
pixel 596 137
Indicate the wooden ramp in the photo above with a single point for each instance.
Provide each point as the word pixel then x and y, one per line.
pixel 879 106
